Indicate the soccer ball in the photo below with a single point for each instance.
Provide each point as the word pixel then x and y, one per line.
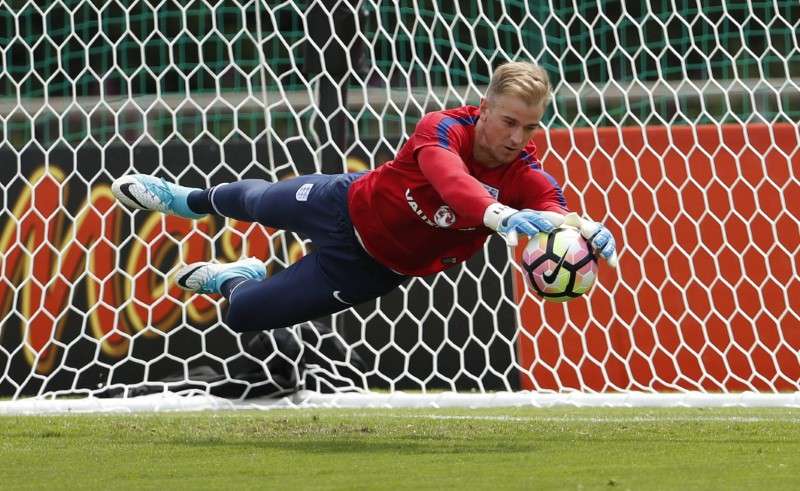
pixel 559 265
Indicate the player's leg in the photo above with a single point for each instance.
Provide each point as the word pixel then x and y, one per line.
pixel 243 200
pixel 304 291
pixel 310 204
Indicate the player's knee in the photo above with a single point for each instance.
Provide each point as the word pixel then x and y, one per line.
pixel 242 318
pixel 254 197
pixel 237 318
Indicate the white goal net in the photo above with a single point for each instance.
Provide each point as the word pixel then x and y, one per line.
pixel 675 125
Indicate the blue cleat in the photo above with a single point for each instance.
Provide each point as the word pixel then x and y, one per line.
pixel 206 277
pixel 145 192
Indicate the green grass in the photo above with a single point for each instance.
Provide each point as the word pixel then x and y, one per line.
pixel 409 449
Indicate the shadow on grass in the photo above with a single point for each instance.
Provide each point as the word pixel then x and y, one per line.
pixel 349 445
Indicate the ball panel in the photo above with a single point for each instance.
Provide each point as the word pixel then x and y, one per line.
pixel 584 280
pixel 576 273
pixel 535 247
pixel 562 241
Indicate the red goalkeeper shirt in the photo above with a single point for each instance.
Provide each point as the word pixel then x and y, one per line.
pixel 419 218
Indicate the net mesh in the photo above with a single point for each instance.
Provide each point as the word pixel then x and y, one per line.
pixel 674 125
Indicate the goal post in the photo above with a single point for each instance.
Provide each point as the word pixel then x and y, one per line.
pixel 674 125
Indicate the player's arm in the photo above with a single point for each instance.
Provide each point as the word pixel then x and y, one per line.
pixel 449 176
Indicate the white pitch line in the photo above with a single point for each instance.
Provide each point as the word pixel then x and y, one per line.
pixel 581 419
pixel 509 418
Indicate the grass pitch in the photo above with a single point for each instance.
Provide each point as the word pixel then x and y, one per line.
pixel 407 449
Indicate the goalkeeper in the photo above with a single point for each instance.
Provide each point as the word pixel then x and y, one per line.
pixel 464 174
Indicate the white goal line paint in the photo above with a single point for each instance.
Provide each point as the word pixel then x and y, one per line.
pixel 196 401
pixel 603 420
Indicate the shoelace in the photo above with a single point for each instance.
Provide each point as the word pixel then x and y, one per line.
pixel 210 284
pixel 161 191
pixel 206 282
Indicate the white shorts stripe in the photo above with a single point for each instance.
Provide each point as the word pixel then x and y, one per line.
pixel 211 198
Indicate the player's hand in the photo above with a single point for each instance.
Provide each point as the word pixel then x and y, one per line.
pixel 510 222
pixel 598 236
pixel 526 222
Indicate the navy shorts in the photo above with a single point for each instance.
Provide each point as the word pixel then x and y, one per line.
pixel 337 274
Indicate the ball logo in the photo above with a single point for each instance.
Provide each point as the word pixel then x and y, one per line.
pixel 550 276
pixel 444 216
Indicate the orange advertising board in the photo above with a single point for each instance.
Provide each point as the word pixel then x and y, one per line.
pixel 706 296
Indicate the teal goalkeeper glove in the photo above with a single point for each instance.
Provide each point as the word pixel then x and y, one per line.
pixel 597 235
pixel 510 222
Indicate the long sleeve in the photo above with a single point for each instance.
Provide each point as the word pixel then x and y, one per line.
pixel 535 189
pixel 449 176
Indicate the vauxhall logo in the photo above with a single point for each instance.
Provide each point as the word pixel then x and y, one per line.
pixel 444 217
pixel 416 209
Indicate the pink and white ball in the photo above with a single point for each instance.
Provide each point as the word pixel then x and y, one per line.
pixel 559 265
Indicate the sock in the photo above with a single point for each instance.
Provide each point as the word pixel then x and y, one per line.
pixel 230 285
pixel 200 201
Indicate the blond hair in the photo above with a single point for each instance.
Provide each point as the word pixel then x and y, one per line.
pixel 522 79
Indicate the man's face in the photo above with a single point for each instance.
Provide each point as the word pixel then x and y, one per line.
pixel 505 126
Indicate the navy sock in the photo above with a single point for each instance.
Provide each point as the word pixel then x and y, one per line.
pixel 229 285
pixel 200 201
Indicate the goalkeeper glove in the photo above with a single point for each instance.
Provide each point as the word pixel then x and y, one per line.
pixel 510 222
pixel 597 235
